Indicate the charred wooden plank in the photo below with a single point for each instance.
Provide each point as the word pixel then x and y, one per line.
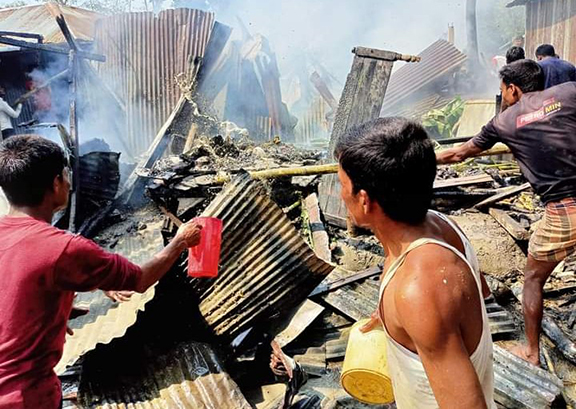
pixel 505 193
pixel 515 229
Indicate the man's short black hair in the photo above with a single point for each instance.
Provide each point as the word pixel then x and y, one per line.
pixel 514 54
pixel 545 50
pixel 525 74
pixel 393 160
pixel 28 166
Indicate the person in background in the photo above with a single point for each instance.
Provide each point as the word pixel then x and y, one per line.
pixel 43 266
pixel 439 347
pixel 538 127
pixel 515 53
pixel 556 70
pixel 518 41
pixel 7 112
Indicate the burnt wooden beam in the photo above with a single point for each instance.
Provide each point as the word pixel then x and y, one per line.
pixel 349 278
pixel 361 101
pixel 73 86
pixel 133 193
pixel 323 89
pixel 384 55
pixel 364 90
pixel 463 181
pixel 38 37
pixel 61 21
pixel 514 228
pixel 50 48
pixel 505 193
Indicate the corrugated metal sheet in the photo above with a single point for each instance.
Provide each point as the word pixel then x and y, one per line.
pixel 518 384
pixel 144 54
pixel 188 377
pixel 108 320
pixel 418 109
pixel 312 123
pixel 439 59
pixel 552 22
pixel 41 19
pixel 99 176
pixel 360 299
pixel 266 267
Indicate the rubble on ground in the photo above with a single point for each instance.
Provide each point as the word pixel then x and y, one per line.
pixel 314 328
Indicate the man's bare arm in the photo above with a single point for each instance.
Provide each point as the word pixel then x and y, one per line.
pixel 458 153
pixel 431 310
pixel 188 236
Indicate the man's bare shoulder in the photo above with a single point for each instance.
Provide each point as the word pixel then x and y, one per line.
pixel 433 284
pixel 433 267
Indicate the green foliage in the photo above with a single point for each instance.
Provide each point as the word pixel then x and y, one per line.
pixel 441 123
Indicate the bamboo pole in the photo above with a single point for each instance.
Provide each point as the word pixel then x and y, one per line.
pixel 28 94
pixel 322 169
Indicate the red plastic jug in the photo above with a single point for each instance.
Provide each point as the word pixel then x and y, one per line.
pixel 204 258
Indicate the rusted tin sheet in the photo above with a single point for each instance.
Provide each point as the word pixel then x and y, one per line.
pixel 189 376
pixel 360 299
pixel 409 83
pixel 41 19
pixel 266 267
pixel 518 384
pixel 144 55
pixel 108 320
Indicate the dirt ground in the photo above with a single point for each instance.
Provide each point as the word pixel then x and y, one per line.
pixel 498 253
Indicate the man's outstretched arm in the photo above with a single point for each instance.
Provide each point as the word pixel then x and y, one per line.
pixel 84 266
pixel 188 236
pixel 458 153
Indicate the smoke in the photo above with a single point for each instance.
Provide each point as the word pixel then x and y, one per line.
pixel 329 29
pixel 98 116
pixel 308 36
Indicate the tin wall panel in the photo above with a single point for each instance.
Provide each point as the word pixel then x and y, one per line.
pixel 438 59
pixel 266 267
pixel 106 319
pixel 144 54
pixel 41 19
pixel 190 376
pixel 552 22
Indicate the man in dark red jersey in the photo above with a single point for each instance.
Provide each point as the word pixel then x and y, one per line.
pixel 42 267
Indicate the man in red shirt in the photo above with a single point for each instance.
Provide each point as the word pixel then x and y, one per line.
pixel 43 266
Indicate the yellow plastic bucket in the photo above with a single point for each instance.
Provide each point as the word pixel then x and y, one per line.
pixel 365 373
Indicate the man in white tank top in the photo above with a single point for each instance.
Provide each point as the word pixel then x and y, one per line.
pixel 439 345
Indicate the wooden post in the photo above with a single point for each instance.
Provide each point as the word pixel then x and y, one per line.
pixel 72 70
pixel 361 101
